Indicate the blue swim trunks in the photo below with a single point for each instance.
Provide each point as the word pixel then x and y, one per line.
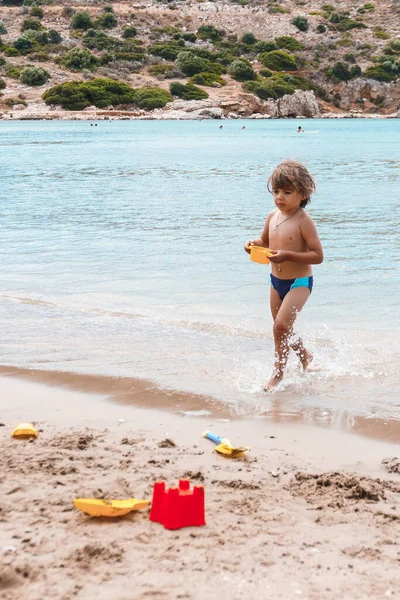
pixel 283 286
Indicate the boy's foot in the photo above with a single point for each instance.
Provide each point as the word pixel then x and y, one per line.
pixel 306 359
pixel 272 383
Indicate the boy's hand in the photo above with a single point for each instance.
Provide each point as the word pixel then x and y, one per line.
pixel 248 246
pixel 278 256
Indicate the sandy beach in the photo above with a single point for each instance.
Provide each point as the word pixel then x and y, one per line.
pixel 310 512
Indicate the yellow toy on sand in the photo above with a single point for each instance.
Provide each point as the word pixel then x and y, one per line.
pixel 24 431
pixel 224 446
pixel 109 508
pixel 259 254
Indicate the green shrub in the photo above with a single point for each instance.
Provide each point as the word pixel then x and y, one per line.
pixel 288 42
pixel 107 21
pixel 23 44
pixel 343 23
pixel 393 47
pixel 350 58
pixel 190 64
pixel 248 38
pixel 12 71
pixel 301 23
pixel 2 61
pixel 241 70
pixel 189 37
pixel 37 11
pixel 105 92
pixel 10 51
pixel 187 92
pixel 278 60
pixel 320 29
pixel 3 29
pixel 378 74
pixel 41 56
pixel 34 76
pixel 207 79
pixel 151 97
pixel 98 40
pixel 342 72
pixel 129 32
pixel 161 69
pixel 380 33
pixel 33 24
pixel 2 84
pixel 209 32
pixel 108 9
pixel 345 42
pixel 78 59
pixel 265 73
pixel 265 47
pixel 54 36
pixel 13 101
pixel 69 95
pixel 277 10
pixel 76 95
pixel 81 20
pixel 167 51
pixel 277 86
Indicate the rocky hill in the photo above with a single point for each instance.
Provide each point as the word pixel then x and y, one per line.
pixel 199 59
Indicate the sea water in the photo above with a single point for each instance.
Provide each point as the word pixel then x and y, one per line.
pixel 122 254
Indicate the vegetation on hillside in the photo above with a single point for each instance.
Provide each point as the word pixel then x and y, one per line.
pixel 101 46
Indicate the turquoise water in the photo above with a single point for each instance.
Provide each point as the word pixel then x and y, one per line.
pixel 122 254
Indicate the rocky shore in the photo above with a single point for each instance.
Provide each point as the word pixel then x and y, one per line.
pixel 300 105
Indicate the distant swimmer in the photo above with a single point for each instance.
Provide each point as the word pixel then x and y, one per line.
pixel 243 127
pixel 300 130
pixel 221 126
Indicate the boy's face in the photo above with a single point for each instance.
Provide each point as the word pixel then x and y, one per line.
pixel 287 199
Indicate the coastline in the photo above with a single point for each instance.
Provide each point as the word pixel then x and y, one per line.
pixel 277 520
pixel 127 116
pixel 145 394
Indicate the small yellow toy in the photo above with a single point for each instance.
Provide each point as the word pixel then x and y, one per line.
pixel 24 431
pixel 224 446
pixel 259 254
pixel 109 508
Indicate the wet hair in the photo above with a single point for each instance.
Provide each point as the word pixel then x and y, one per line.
pixel 292 174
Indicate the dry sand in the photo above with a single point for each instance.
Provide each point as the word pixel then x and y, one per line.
pixel 309 513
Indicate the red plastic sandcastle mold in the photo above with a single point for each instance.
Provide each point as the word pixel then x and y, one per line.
pixel 178 507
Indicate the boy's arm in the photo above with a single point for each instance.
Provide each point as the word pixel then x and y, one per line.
pixel 263 240
pixel 313 256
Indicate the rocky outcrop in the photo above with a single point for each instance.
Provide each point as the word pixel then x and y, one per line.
pixel 359 90
pixel 300 104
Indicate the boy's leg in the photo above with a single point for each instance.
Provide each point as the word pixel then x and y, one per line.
pixel 291 305
pixel 296 345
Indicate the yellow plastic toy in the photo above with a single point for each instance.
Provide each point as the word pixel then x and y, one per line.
pixel 109 508
pixel 259 254
pixel 24 431
pixel 224 446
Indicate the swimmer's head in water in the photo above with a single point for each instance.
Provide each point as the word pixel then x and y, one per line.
pixel 292 175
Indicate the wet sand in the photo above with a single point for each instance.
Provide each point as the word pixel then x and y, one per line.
pixel 310 512
pixel 144 393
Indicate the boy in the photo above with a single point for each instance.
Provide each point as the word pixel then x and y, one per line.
pixel 291 234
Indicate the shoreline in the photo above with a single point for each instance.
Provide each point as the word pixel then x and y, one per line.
pixel 134 393
pixel 270 524
pixel 126 116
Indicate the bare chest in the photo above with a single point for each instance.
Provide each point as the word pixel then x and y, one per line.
pixel 285 235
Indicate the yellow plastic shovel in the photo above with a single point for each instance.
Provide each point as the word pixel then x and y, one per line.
pixel 109 508
pixel 24 431
pixel 224 446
